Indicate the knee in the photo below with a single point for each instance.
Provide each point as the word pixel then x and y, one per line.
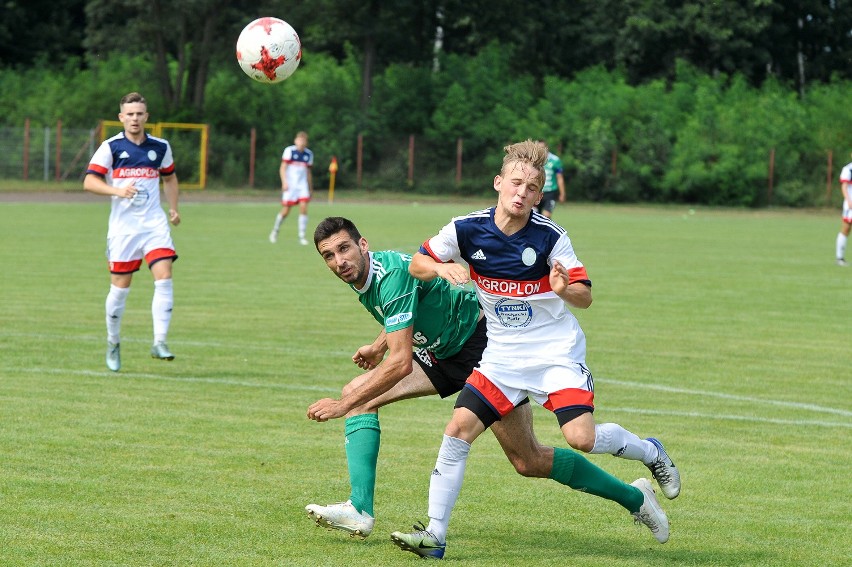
pixel 536 463
pixel 583 441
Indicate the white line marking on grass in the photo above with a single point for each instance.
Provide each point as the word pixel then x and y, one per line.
pixel 759 401
pixel 691 414
pixel 187 379
pixel 291 387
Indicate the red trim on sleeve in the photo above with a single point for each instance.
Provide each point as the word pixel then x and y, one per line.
pixel 577 275
pixel 97 169
pixel 167 170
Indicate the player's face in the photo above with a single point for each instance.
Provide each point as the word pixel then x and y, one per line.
pixel 519 189
pixel 345 257
pixel 301 142
pixel 133 116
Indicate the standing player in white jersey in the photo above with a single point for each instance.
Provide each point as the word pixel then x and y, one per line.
pixel 846 215
pixel 297 185
pixel 128 168
pixel 526 275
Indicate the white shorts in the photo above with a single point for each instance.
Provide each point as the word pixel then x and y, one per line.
pixel 126 251
pixel 847 212
pixel 295 195
pixel 555 387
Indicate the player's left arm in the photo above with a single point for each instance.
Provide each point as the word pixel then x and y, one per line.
pixel 170 190
pixel 576 293
pixel 560 182
pixel 568 277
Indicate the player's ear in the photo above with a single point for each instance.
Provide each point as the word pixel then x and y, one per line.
pixel 497 180
pixel 363 245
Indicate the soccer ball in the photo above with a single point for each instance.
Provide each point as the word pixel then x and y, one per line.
pixel 269 50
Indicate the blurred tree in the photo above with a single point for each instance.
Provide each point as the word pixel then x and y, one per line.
pixel 49 31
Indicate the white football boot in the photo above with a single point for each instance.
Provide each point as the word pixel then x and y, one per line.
pixel 342 516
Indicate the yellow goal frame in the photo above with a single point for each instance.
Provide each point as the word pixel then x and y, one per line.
pixel 156 129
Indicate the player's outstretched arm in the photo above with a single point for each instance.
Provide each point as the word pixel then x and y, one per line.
pixel 396 366
pixel 425 268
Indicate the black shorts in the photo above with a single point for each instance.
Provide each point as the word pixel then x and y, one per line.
pixel 448 375
pixel 548 201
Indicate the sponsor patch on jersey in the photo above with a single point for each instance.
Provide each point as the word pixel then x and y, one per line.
pixel 398 319
pixel 138 172
pixel 513 313
pixel 152 155
pixel 513 288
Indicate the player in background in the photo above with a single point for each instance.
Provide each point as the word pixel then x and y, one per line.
pixel 526 276
pixel 446 326
pixel 554 184
pixel 128 167
pixel 297 185
pixel 846 215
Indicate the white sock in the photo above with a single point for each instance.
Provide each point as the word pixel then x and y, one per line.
pixel 613 439
pixel 278 220
pixel 303 224
pixel 161 308
pixel 840 247
pixel 115 301
pixel 445 484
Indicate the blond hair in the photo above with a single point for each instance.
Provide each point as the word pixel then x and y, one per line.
pixel 529 152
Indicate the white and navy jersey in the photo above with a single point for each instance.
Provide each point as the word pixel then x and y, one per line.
pixel 846 173
pixel 121 163
pixel 298 162
pixel 512 277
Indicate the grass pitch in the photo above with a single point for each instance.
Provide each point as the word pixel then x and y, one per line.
pixel 724 333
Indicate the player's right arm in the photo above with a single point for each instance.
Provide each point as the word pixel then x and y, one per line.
pixel 282 173
pixel 426 268
pixel 96 184
pixel 396 366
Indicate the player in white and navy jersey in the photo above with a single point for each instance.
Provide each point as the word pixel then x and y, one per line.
pixel 846 215
pixel 297 184
pixel 526 275
pixel 128 168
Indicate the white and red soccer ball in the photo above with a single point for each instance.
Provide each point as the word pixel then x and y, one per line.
pixel 269 50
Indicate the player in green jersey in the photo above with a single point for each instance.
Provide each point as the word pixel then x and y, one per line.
pixel 445 326
pixel 554 184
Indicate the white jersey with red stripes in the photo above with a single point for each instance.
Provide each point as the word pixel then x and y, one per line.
pixel 298 161
pixel 121 163
pixel 526 319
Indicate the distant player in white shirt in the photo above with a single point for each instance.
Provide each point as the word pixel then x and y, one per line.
pixel 526 275
pixel 128 168
pixel 297 184
pixel 846 218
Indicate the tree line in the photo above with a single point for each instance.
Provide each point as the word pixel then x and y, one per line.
pixel 649 100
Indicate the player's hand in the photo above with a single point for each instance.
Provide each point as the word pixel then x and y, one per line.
pixel 174 216
pixel 127 192
pixel 562 198
pixel 367 357
pixel 325 409
pixel 559 278
pixel 454 273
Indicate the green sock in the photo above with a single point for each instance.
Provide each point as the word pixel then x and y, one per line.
pixel 574 470
pixel 362 434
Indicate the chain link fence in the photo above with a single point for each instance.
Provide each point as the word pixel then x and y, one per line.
pixel 46 153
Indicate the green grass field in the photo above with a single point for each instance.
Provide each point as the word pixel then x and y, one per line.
pixel 724 333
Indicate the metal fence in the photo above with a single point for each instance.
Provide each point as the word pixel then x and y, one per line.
pixel 48 153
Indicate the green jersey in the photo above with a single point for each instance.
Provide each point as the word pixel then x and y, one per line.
pixel 443 316
pixel 552 166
